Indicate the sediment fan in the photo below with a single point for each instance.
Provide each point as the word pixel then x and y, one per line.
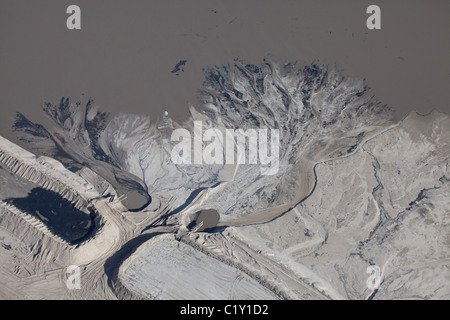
pixel 320 115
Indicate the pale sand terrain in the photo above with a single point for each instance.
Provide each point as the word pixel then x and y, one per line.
pixel 320 249
pixel 387 204
pixel 35 262
pixel 164 269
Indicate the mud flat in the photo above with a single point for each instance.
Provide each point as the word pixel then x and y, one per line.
pixel 165 268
